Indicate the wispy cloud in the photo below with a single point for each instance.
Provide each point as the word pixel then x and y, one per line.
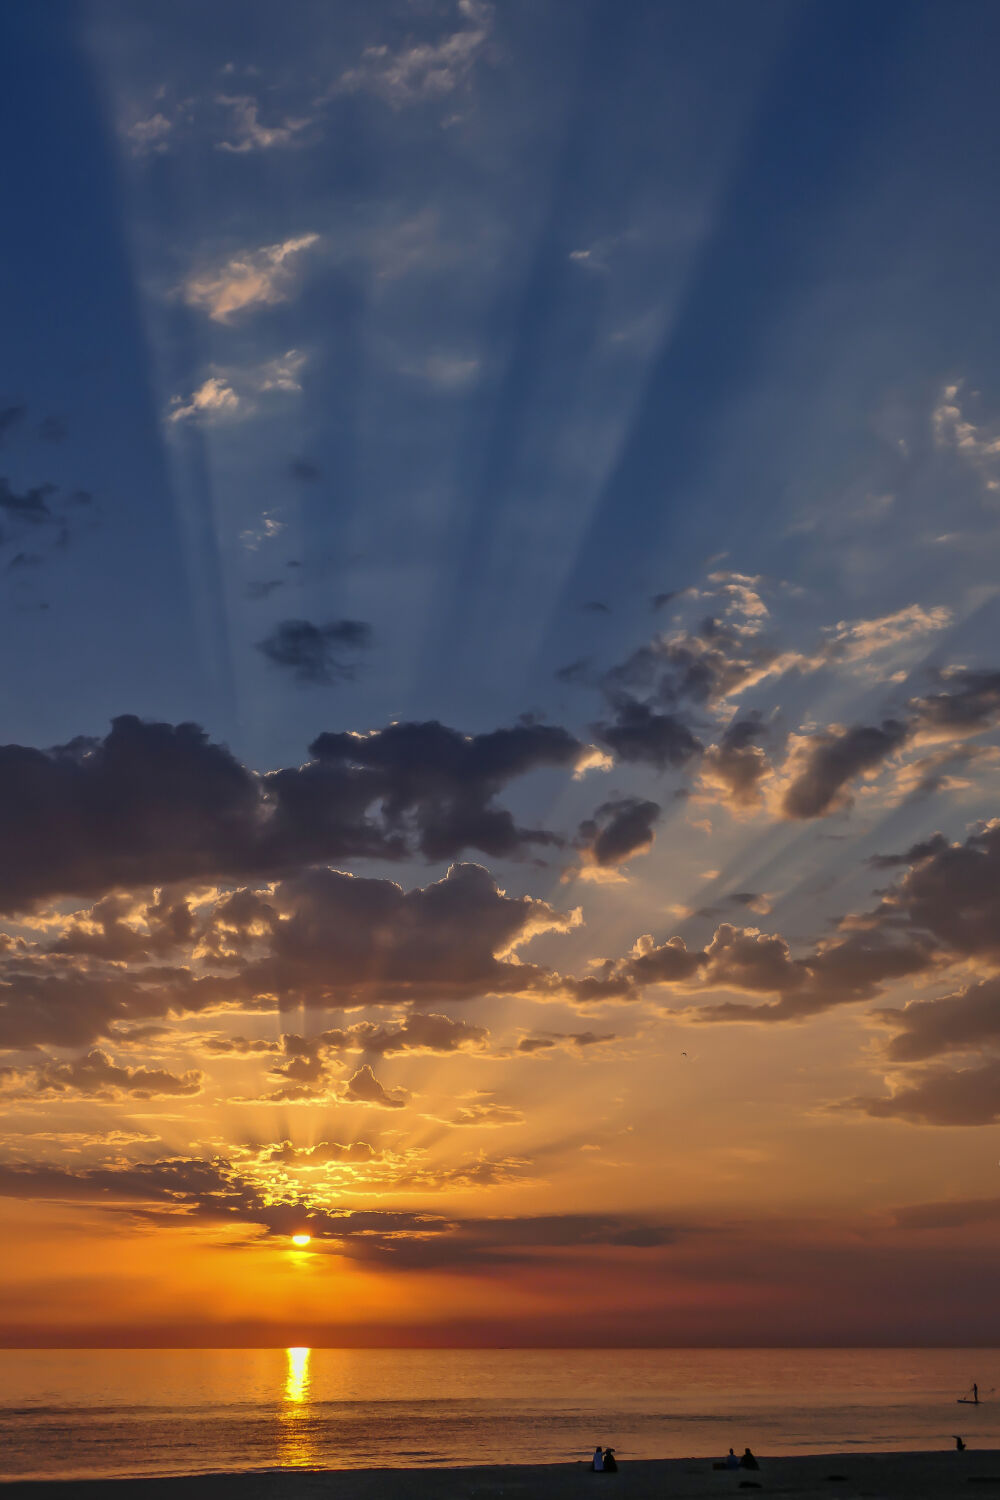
pixel 423 70
pixel 251 278
pixel 230 393
pixel 249 134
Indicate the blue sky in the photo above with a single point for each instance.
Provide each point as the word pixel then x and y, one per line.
pixel 593 296
pixel 623 376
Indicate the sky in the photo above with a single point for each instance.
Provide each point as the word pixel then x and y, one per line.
pixel 501 699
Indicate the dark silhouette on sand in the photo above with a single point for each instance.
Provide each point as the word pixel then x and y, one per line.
pixel 748 1461
pixel 959 1445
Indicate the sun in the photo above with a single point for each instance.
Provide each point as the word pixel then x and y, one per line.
pixel 301 1239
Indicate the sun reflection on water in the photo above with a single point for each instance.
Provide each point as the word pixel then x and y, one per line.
pixel 296 1434
pixel 297 1376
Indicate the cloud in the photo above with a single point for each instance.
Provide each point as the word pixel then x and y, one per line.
pixel 150 136
pixel 190 1190
pixel 304 470
pixel 149 804
pixel 735 768
pixel 213 399
pixel 822 765
pixel 578 1041
pixel 248 132
pixel 251 278
pixel 971 704
pixel 420 71
pixel 313 653
pixel 942 1096
pixel 442 784
pixel 319 939
pixel 418 1032
pixel 951 893
pixel 96 1076
pixel 486 1112
pixel 619 829
pixel 638 733
pixel 364 1088
pixel 232 393
pixel 977 446
pixel 323 1153
pixel 963 1021
pixel 858 640
pixel 11 417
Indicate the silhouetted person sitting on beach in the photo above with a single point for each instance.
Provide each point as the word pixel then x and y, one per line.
pixel 732 1462
pixel 959 1445
pixel 748 1461
pixel 597 1462
pixel 610 1466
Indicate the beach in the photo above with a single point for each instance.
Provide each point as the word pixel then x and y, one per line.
pixel 857 1476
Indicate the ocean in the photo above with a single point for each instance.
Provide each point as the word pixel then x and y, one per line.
pixel 103 1414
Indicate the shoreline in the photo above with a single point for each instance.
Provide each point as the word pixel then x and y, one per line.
pixel 916 1475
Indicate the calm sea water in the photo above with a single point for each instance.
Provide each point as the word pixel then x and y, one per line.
pixel 85 1413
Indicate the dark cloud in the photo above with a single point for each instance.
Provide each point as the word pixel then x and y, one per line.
pixel 238 1046
pixel 31 505
pixel 697 667
pixel 261 588
pixel 619 828
pixel 323 1153
pixel 418 1032
pixel 933 845
pixel 364 1088
pixel 964 1021
pixel 322 939
pixel 314 653
pixel 659 600
pixel 838 973
pixel 971 702
pixel 595 607
pixel 951 892
pixel 578 673
pixel 942 1096
pixel 548 1041
pixel 214 1191
pixel 737 765
pixel 97 1076
pixel 640 733
pixel 304 470
pixel 440 785
pixel 825 763
pixel 337 940
pixel 11 417
pixel 152 803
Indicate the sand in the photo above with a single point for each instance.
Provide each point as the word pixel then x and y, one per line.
pixel 873 1476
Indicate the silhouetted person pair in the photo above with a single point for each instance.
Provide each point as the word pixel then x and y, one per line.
pixel 732 1462
pixel 604 1463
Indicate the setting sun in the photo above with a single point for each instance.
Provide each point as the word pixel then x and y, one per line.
pixel 301 1239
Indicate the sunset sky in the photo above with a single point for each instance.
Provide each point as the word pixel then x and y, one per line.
pixel 500 672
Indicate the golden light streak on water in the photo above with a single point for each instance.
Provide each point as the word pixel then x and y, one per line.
pixel 297 1376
